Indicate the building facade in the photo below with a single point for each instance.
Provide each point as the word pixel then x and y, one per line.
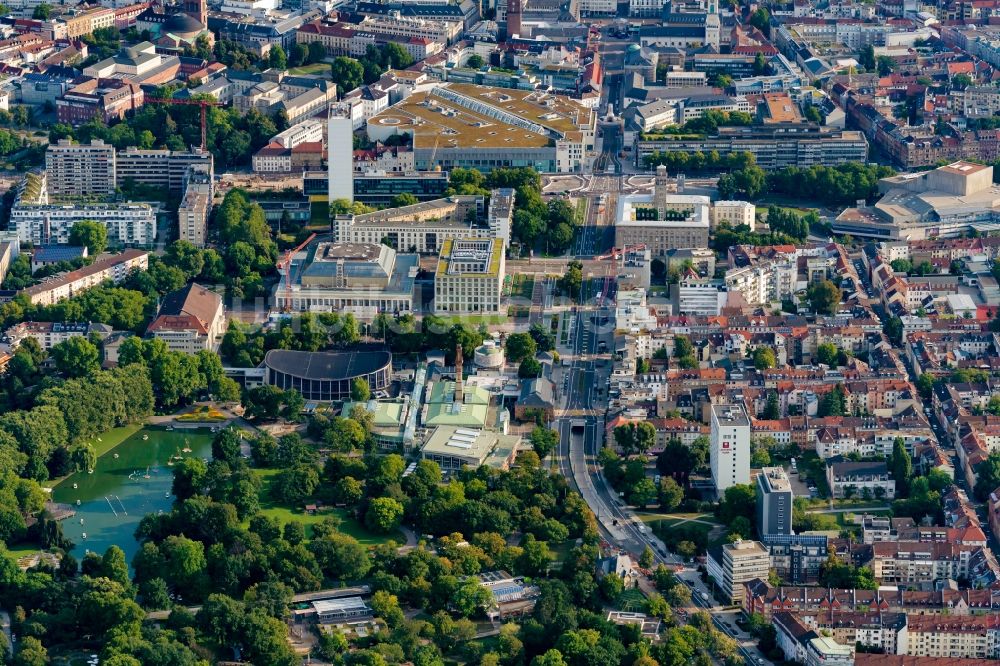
pixel 729 450
pixel 469 276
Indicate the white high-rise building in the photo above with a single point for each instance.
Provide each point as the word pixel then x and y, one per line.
pixel 730 446
pixel 340 145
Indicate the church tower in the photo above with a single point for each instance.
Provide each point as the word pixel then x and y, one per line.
pixel 713 26
pixel 196 9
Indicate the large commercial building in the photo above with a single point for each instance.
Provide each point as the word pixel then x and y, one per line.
pixel 340 158
pixel 941 203
pixel 423 227
pixel 105 99
pixel 327 376
pixel 114 268
pixel 378 188
pixel 464 125
pixel 469 276
pixel 161 168
pixel 774 502
pixel 731 565
pixel 729 450
pixel 80 170
pixel 361 278
pixel 453 448
pixel 774 146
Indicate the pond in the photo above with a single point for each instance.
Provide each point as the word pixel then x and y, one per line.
pixel 131 480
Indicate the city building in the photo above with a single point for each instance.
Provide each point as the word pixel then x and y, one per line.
pixel 734 213
pixel 340 142
pixel 423 227
pixel 453 448
pixel 80 170
pixel 47 255
pixel 774 502
pixel 823 651
pixel 189 320
pixel 662 221
pixel 193 210
pixel 773 146
pixel 952 637
pixel 51 333
pixel 361 278
pixel 945 202
pixel 327 376
pixel 729 451
pixel 464 125
pixel 731 565
pixel 855 479
pixel 332 611
pixel 469 276
pixel 167 169
pixel 114 268
pixel 378 188
pixel 108 100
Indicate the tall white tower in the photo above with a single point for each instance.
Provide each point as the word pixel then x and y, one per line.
pixel 340 157
pixel 713 26
pixel 729 449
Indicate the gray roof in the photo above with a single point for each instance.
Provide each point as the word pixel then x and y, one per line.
pixel 325 365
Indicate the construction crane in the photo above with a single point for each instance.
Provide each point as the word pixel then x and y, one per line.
pixel 286 264
pixel 203 103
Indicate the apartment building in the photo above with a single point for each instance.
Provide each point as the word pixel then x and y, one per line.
pixel 918 563
pixel 854 479
pixel 445 32
pixel 469 276
pixel 189 320
pixel 49 334
pixel 774 502
pixel 80 170
pixel 731 565
pixel 943 636
pixel 114 268
pixel 161 168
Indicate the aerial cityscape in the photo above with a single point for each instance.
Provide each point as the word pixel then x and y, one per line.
pixel 500 333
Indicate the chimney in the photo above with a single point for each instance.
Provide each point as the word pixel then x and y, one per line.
pixel 459 396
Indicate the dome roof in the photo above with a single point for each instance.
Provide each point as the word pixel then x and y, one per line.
pixel 182 24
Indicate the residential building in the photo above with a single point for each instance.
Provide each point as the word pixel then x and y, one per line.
pixel 190 319
pixel 469 276
pixel 49 334
pixel 731 565
pixel 167 169
pixel 952 637
pixel 192 213
pixel 114 268
pixel 854 479
pixel 80 170
pixel 729 450
pixel 47 255
pixel 774 502
pixel 920 563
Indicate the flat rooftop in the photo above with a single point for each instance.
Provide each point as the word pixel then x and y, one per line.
pixel 731 414
pixel 775 479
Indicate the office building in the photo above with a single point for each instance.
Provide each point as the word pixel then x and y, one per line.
pixel 105 99
pixel 363 279
pixel 734 213
pixel 192 213
pixel 166 169
pixel 80 170
pixel 774 502
pixel 662 221
pixel 377 188
pixel 773 146
pixel 340 158
pixel 731 565
pixel 469 276
pixel 114 268
pixel 190 319
pixel 422 227
pixel 729 450
pixel 453 448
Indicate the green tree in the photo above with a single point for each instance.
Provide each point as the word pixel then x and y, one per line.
pixel 867 57
pixel 764 359
pixel 90 234
pixel 347 73
pixel 404 199
pixel 900 467
pixel 42 12
pixel 529 369
pixel 383 515
pixel 961 81
pixel 634 438
pixel 543 440
pixel 76 357
pixel 276 57
pixel 30 651
pixel 671 493
pixel 824 296
pixel 360 391
pixel 475 62
pixel 988 476
pixel 520 346
pixel 647 558
pixel 572 281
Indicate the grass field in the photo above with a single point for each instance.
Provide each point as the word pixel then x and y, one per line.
pixel 286 514
pixel 631 601
pixel 522 286
pixel 317 68
pixel 476 320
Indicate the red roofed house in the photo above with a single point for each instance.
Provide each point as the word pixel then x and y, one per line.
pixel 190 319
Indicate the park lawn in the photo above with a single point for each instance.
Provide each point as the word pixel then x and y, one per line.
pixel 522 286
pixel 476 320
pixel 104 443
pixel 286 514
pixel 313 69
pixel 631 601
pixel 23 549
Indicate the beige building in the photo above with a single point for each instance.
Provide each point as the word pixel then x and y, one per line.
pixel 469 276
pixel 192 213
pixel 79 170
pixel 733 564
pixel 734 213
pixel 114 268
pixel 662 221
pixel 945 636
pixel 190 319
pixel 454 448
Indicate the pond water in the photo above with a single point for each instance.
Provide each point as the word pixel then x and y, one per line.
pixel 131 480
